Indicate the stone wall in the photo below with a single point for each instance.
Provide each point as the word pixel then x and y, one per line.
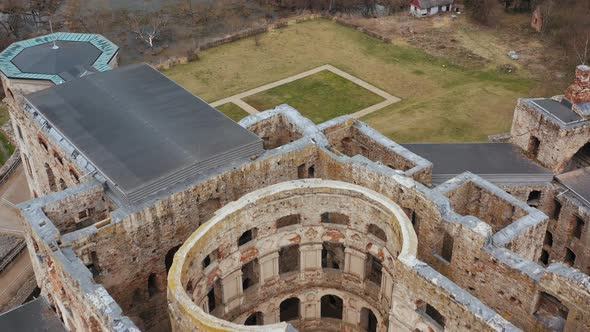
pixel 310 282
pixel 122 246
pixel 567 230
pixel 129 255
pixel 48 167
pixel 352 137
pixel 557 143
pixel 65 281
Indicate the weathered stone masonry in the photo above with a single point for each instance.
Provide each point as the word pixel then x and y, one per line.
pixel 332 227
pixel 128 254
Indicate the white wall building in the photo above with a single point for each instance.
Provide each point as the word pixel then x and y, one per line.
pixel 422 8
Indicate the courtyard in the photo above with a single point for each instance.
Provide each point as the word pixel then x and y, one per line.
pixel 440 102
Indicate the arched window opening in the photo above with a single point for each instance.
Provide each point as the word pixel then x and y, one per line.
pixel 247 236
pixel 332 255
pixel 346 144
pixel 289 309
pixel 250 274
pixel 43 144
pixel 211 258
pixel 62 184
pixel 93 265
pixel 373 269
pixel 256 318
pixel 50 178
pixel 74 175
pixel 331 307
pixel 570 257
pixel 301 171
pixel 548 239
pixel 551 312
pixel 215 296
pixel 368 320
pixel 335 218
pixel 58 157
pixel 289 259
pixel 377 232
pixel 578 226
pixel 556 210
pixel 447 247
pixel 169 258
pixel 544 259
pixel 152 285
pixel 534 198
pixel 431 313
pixel 289 220
pixel 581 159
pixel 311 172
pixel 533 147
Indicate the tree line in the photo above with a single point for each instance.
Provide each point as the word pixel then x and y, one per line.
pixel 564 21
pixel 366 7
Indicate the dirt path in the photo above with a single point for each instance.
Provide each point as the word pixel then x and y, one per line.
pixel 14 191
pixel 14 278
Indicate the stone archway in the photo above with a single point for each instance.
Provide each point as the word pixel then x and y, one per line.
pixel 581 159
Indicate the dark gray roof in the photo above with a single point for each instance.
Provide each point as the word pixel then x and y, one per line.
pixel 35 316
pixel 578 182
pixel 141 130
pixel 500 163
pixel 44 59
pixel 562 111
pixel 434 3
pixel 76 53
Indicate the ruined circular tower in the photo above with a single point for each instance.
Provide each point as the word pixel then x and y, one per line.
pixel 312 254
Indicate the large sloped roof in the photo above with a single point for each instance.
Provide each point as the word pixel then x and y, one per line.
pixel 36 315
pixel 499 163
pixel 578 182
pixel 57 57
pixel 141 130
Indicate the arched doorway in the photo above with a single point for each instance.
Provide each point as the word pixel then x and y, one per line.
pixel 256 318
pixel 50 178
pixel 368 320
pixel 289 309
pixel 170 257
pixel 331 307
pixel 533 148
pixel 581 159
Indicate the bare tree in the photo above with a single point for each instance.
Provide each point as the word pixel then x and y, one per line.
pixel 582 53
pixel 148 27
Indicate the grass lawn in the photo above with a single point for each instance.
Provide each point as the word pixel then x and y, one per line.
pixel 320 97
pixel 6 149
pixel 233 111
pixel 441 102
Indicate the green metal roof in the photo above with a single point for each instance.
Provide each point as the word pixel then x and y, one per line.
pixel 7 66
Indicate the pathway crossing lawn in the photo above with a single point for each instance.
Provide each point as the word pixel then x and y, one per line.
pixel 320 97
pixel 440 102
pixel 233 111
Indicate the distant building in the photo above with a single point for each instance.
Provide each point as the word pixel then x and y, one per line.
pixel 422 8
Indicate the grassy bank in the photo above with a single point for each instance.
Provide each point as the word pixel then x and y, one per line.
pixel 441 102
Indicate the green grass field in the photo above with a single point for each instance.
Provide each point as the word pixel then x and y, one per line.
pixel 320 97
pixel 441 102
pixel 6 149
pixel 233 111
